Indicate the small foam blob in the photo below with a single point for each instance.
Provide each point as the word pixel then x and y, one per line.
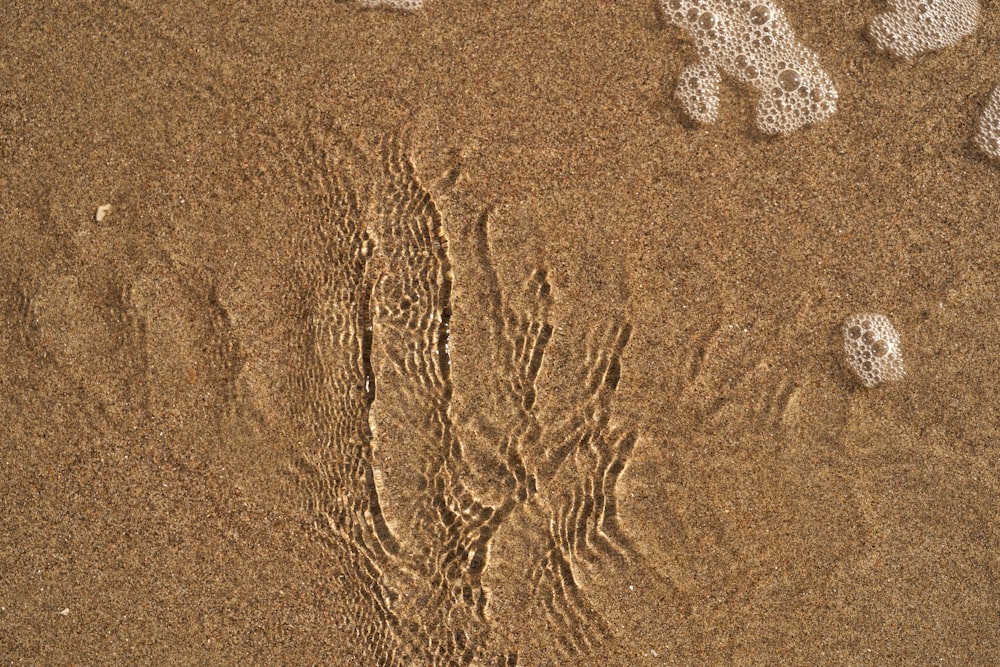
pixel 402 5
pixel 698 92
pixel 988 132
pixel 872 348
pixel 751 41
pixel 912 27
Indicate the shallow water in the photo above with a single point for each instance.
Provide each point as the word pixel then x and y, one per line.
pixel 446 338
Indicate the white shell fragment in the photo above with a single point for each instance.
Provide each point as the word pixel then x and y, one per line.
pixel 872 348
pixel 102 212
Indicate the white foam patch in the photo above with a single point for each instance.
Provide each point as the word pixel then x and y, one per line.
pixel 872 348
pixel 988 132
pixel 403 5
pixel 912 27
pixel 752 42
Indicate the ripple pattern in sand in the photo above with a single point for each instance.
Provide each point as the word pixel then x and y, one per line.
pixel 387 477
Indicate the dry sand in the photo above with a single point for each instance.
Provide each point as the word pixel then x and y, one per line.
pixel 443 338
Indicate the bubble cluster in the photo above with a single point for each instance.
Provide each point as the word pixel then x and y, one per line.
pixel 988 133
pixel 872 347
pixel 404 5
pixel 911 27
pixel 751 41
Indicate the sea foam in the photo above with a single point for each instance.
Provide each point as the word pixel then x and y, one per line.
pixel 988 132
pixel 871 344
pixel 404 5
pixel 753 43
pixel 912 27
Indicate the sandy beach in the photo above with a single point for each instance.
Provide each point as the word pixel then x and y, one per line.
pixel 445 337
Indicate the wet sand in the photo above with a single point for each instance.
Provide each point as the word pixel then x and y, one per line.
pixel 444 338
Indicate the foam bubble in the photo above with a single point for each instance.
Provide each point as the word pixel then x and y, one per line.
pixel 404 5
pixel 912 27
pixel 872 348
pixel 698 92
pixel 988 133
pixel 751 41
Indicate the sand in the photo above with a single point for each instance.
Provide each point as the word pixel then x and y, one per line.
pixel 445 338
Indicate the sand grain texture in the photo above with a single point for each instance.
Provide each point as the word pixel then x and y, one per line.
pixel 444 338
